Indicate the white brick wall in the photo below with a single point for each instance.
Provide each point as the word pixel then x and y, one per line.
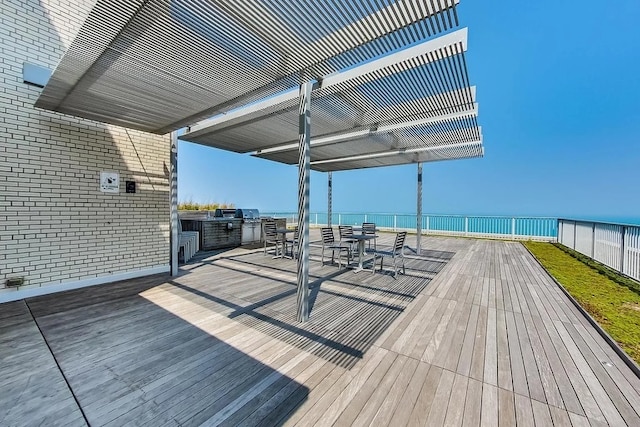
pixel 55 224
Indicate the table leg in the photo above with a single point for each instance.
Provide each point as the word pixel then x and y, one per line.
pixel 360 252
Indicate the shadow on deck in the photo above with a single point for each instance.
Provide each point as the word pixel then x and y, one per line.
pixel 348 311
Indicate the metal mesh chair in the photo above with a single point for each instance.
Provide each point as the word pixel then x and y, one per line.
pixel 328 242
pixel 395 253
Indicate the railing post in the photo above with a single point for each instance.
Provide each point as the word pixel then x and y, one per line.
pixel 593 240
pixel 622 249
pixel 427 224
pixel 466 225
pixel 395 222
pixel 316 218
pixel 339 219
pixel 365 218
pixel 513 228
pixel 559 231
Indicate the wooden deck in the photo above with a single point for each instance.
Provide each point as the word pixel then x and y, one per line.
pixel 474 334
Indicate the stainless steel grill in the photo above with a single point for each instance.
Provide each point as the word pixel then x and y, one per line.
pixel 251 225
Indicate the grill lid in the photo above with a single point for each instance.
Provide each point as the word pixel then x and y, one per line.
pixel 247 214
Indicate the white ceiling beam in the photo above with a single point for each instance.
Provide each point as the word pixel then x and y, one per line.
pixel 453 38
pixel 205 126
pixel 334 139
pixel 477 143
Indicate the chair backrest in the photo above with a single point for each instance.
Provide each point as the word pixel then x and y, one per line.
pixel 270 230
pixel 368 228
pixel 399 243
pixel 346 231
pixel 327 235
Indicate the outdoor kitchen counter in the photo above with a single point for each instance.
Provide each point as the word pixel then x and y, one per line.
pixel 216 233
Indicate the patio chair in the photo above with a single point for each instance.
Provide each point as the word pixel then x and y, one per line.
pixel 328 242
pixel 270 235
pixel 369 228
pixel 346 236
pixel 294 241
pixel 395 253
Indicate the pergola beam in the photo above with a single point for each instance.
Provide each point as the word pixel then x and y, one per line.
pixel 397 152
pixel 335 139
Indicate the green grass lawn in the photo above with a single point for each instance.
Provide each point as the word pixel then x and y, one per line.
pixel 612 303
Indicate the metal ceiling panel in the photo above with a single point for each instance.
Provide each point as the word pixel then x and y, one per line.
pixel 158 65
pixel 423 81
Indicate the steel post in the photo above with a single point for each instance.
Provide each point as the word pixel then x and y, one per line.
pixel 173 204
pixel 329 198
pixel 304 172
pixel 419 213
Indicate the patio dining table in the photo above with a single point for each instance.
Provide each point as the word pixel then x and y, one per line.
pixel 361 238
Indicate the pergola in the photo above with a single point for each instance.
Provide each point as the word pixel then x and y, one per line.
pixel 249 76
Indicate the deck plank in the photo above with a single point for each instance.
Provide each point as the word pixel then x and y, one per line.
pixel 506 408
pixel 441 399
pixel 455 408
pixel 473 404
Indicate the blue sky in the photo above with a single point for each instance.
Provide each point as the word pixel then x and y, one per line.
pixel 558 83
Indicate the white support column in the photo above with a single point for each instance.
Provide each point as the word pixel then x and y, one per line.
pixel 419 214
pixel 304 173
pixel 329 198
pixel 173 204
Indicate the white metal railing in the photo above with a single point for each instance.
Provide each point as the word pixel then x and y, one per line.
pixel 614 245
pixel 523 228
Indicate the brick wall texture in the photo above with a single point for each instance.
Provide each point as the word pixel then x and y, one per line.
pixel 55 223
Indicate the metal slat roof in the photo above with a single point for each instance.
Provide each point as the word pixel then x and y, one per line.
pixel 410 106
pixel 158 65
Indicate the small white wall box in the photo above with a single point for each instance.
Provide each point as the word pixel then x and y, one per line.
pixel 110 182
